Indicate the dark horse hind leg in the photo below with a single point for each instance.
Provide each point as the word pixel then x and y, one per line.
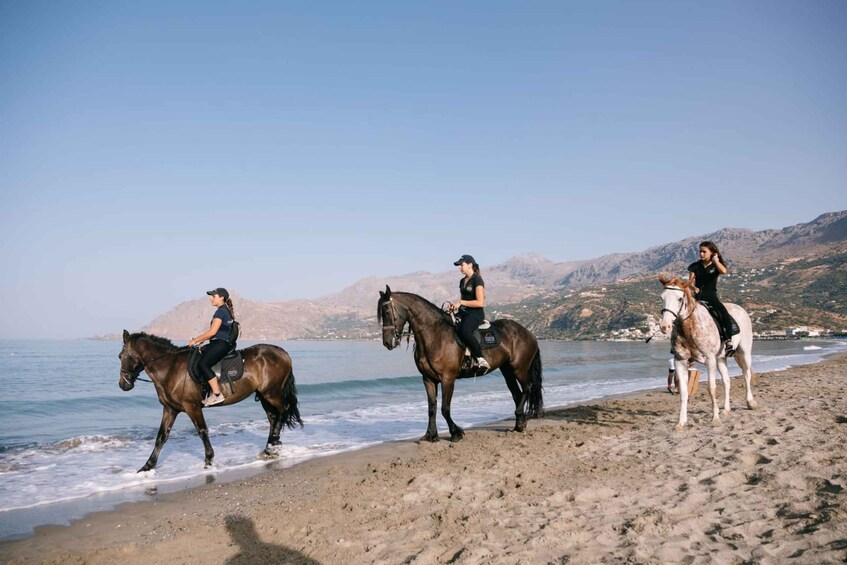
pixel 456 433
pixel 168 417
pixel 275 423
pixel 518 395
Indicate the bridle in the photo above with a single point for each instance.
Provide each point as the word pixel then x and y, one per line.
pixel 398 335
pixel 135 375
pixel 678 314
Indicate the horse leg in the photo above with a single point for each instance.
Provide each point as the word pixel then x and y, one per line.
pixel 196 415
pixel 744 358
pixel 518 395
pixel 711 367
pixel 722 369
pixel 168 417
pixel 456 433
pixel 275 424
pixel 432 405
pixel 681 369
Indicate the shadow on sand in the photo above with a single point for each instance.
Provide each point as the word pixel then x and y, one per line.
pixel 254 550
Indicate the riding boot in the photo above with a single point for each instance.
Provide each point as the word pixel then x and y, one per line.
pixel 728 350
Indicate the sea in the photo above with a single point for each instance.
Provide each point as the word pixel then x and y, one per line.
pixel 71 441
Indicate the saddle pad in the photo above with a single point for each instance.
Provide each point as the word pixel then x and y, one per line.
pixel 486 334
pixel 229 369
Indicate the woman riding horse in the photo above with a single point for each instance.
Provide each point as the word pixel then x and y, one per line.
pixel 267 374
pixel 438 356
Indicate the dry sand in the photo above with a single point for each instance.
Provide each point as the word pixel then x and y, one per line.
pixel 606 482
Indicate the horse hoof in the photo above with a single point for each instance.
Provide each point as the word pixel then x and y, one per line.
pixel 430 438
pixel 457 437
pixel 752 404
pixel 679 427
pixel 268 454
pixel 145 469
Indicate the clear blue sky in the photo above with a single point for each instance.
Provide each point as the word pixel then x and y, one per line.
pixel 152 150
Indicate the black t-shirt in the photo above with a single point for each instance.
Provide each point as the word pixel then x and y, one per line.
pixel 706 279
pixel 226 323
pixel 468 289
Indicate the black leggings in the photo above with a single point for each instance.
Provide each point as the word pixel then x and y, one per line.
pixel 724 318
pixel 471 319
pixel 212 353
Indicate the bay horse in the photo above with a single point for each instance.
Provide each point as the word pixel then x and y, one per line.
pixel 267 373
pixel 438 356
pixel 695 337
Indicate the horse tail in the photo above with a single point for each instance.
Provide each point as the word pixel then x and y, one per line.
pixel 291 413
pixel 536 398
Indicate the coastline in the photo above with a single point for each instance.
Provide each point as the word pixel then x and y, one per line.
pixel 604 480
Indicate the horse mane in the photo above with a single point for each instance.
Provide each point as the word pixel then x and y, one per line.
pixel 429 305
pixel 157 340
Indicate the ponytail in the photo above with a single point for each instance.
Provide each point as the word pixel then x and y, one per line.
pixel 230 307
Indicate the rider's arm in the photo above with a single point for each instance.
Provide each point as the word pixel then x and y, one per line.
pixel 213 329
pixel 719 265
pixel 477 302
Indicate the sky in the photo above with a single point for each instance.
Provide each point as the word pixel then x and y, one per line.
pixel 150 151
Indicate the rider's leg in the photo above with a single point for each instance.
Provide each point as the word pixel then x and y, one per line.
pixel 212 353
pixel 470 322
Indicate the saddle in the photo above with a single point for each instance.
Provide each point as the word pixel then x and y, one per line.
pixel 716 316
pixel 228 370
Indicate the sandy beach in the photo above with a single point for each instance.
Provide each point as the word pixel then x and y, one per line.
pixel 609 481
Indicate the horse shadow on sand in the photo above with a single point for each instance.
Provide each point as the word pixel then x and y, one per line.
pixel 597 415
pixel 253 550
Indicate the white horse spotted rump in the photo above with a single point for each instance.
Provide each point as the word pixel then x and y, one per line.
pixel 695 337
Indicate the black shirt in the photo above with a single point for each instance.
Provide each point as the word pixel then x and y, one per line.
pixel 467 289
pixel 706 279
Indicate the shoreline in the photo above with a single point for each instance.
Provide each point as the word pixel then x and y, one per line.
pixel 610 469
pixel 65 513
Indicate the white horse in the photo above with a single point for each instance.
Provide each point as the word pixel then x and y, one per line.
pixel 695 337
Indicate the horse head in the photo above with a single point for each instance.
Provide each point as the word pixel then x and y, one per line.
pixel 675 296
pixel 131 364
pixel 393 319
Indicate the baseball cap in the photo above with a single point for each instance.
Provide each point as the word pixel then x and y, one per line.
pixel 219 291
pixel 464 259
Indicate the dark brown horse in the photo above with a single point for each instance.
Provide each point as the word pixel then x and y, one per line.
pixel 267 372
pixel 439 358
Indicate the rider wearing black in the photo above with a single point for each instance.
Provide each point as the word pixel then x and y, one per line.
pixel 705 275
pixel 219 335
pixel 471 290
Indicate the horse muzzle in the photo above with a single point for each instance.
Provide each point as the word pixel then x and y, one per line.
pixel 127 381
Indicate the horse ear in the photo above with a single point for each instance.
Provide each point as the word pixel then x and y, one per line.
pixel 381 294
pixel 664 280
pixel 126 336
pixel 387 290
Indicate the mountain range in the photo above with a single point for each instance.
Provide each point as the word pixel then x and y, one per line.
pixel 790 276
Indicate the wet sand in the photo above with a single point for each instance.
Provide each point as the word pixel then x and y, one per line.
pixel 609 481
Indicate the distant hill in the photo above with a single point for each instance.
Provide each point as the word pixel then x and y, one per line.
pixel 790 276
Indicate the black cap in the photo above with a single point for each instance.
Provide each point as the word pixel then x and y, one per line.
pixel 465 259
pixel 220 292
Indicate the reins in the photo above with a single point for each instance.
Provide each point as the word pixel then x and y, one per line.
pixel 138 376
